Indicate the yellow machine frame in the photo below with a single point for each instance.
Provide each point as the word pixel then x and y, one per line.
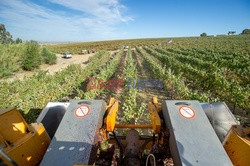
pixel 25 144
pixel 111 113
pixel 237 145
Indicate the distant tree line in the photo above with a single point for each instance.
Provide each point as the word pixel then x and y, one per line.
pixel 15 55
pixel 244 32
pixel 203 34
pixel 6 37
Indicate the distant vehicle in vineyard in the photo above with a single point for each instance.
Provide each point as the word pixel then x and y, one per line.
pixel 67 55
pixel 125 47
pixel 84 52
pixel 91 51
pixel 231 32
pixel 170 41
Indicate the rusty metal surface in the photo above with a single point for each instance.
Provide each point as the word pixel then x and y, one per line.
pixel 132 148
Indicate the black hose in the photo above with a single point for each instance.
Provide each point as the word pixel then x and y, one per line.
pixel 119 145
pixel 153 138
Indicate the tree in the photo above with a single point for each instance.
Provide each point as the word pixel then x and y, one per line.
pixel 48 57
pixel 5 36
pixel 203 34
pixel 18 40
pixel 245 31
pixel 32 58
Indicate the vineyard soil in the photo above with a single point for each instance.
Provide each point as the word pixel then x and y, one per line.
pixel 146 95
pixel 62 63
pixel 52 69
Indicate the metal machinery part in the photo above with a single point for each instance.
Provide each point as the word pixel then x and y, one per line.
pixel 76 137
pixel 193 141
pixel 220 117
pixel 237 144
pixel 132 149
pixel 6 157
pixel 25 144
pixel 52 115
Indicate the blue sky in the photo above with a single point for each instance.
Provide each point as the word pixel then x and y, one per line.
pixel 93 20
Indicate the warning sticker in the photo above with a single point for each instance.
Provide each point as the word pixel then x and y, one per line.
pixel 187 112
pixel 81 111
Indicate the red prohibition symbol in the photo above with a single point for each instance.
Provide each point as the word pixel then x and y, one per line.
pixel 187 112
pixel 81 111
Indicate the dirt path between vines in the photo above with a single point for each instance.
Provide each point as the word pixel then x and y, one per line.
pixel 145 72
pixel 116 93
pixel 145 95
pixel 52 69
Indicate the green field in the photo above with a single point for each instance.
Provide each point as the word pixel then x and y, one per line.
pixel 200 68
pixel 236 44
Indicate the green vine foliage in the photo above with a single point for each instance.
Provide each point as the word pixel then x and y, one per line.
pixel 34 92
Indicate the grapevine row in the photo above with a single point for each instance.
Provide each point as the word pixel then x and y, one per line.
pixel 231 92
pixel 172 81
pixel 198 63
pixel 104 75
pixel 235 66
pixel 36 91
pixel 129 105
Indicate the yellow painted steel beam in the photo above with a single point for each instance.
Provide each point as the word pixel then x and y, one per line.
pixel 25 144
pixel 12 125
pixel 153 108
pixel 112 108
pixel 110 118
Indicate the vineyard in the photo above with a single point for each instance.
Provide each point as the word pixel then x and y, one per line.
pixel 204 69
